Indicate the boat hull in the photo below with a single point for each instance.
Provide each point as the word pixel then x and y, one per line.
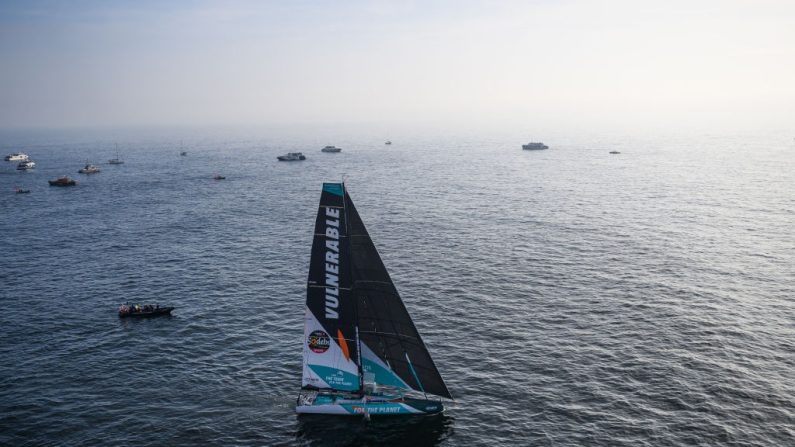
pixel 153 313
pixel 361 407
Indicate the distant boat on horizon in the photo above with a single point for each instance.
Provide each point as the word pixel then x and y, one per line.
pixel 117 160
pixel 292 156
pixel 534 146
pixel 387 142
pixel 25 165
pixel 331 149
pixel 63 181
pixel 88 169
pixel 16 156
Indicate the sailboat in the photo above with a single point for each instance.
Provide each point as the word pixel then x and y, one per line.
pixel 117 160
pixel 362 353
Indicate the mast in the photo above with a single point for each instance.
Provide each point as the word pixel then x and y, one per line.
pixel 355 306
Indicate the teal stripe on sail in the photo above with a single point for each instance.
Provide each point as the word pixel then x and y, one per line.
pixel 415 373
pixel 334 188
pixel 337 378
pixel 383 376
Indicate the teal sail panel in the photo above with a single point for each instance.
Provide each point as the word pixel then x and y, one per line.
pixel 382 374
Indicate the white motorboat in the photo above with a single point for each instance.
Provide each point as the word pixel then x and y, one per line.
pixel 331 149
pixel 16 156
pixel 292 156
pixel 88 169
pixel 25 165
pixel 534 146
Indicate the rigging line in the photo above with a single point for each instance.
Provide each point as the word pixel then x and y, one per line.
pixel 390 334
pixel 374 281
pixel 415 375
pixel 327 287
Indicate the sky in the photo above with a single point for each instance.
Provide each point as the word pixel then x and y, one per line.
pixel 492 64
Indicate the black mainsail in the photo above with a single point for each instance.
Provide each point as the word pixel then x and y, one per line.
pixel 358 313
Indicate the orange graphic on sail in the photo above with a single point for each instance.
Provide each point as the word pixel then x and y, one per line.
pixel 343 345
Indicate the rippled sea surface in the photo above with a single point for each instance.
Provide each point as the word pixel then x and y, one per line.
pixel 568 296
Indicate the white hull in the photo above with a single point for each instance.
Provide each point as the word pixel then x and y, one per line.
pixel 371 405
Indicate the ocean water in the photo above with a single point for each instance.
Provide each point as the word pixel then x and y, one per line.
pixel 568 296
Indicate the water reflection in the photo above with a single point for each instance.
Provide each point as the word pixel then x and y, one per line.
pixel 415 431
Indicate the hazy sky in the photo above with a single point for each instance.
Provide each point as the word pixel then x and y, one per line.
pixel 593 64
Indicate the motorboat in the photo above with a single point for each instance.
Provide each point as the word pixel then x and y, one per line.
pixel 388 142
pixel 143 310
pixel 21 191
pixel 183 153
pixel 615 152
pixel 25 165
pixel 219 177
pixel 331 149
pixel 292 156
pixel 63 181
pixel 16 156
pixel 88 169
pixel 534 146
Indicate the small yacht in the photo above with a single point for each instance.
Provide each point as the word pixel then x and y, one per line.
pixel 331 149
pixel 63 181
pixel 534 146
pixel 387 142
pixel 25 165
pixel 88 169
pixel 117 160
pixel 16 156
pixel 292 156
